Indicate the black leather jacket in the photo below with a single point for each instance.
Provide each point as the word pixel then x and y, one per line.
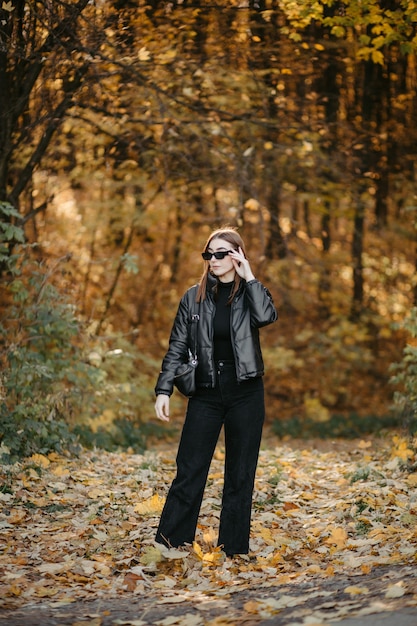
pixel 252 308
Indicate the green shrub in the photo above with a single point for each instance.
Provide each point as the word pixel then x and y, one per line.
pixel 339 426
pixel 44 374
pixel 10 235
pixel 58 385
pixel 117 413
pixel 122 434
pixel 405 377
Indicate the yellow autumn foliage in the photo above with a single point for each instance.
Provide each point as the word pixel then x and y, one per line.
pixel 150 506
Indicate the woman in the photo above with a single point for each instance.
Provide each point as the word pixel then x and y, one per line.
pixel 230 306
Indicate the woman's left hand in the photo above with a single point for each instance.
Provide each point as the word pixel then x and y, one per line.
pixel 241 264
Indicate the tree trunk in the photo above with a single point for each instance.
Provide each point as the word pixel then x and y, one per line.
pixel 21 64
pixel 357 262
pixel 276 247
pixel 324 287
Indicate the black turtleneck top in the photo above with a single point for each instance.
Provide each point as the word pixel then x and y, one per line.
pixel 223 350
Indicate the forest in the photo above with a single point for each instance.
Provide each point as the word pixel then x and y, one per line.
pixel 129 129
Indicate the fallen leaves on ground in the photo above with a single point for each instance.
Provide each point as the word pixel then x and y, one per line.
pixel 77 528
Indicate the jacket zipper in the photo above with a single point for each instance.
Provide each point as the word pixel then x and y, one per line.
pixel 233 305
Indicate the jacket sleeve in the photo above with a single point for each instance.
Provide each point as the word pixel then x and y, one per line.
pixel 178 347
pixel 261 304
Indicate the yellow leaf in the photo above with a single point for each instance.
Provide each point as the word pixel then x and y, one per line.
pixel 46 592
pixel 214 557
pixel 251 607
pixel 54 456
pixel 215 476
pixel 356 591
pixel 151 506
pixel 40 460
pixel 60 470
pixel 315 411
pixel 208 557
pixel 96 493
pixel 412 479
pixel 275 558
pixel 151 555
pixel 105 420
pixel 198 550
pixel 252 204
pixel 377 57
pixel 401 449
pixel 144 54
pixel 168 56
pixel 210 535
pixel 16 516
pixel 265 533
pixel 338 537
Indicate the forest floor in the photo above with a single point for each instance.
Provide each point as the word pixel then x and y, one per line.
pixel 334 538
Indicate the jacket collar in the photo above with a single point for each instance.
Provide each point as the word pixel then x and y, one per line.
pixel 212 282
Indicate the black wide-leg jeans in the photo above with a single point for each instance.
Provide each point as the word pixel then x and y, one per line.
pixel 240 408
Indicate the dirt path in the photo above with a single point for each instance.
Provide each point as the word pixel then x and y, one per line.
pixel 327 600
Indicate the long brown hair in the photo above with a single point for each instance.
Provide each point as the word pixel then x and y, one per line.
pixel 230 235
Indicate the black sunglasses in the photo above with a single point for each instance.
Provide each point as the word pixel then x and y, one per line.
pixel 217 255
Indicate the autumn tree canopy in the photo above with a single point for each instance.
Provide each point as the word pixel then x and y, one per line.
pixel 129 129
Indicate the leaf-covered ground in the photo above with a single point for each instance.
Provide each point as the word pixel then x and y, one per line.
pixel 79 530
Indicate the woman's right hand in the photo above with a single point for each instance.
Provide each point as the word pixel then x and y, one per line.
pixel 162 407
